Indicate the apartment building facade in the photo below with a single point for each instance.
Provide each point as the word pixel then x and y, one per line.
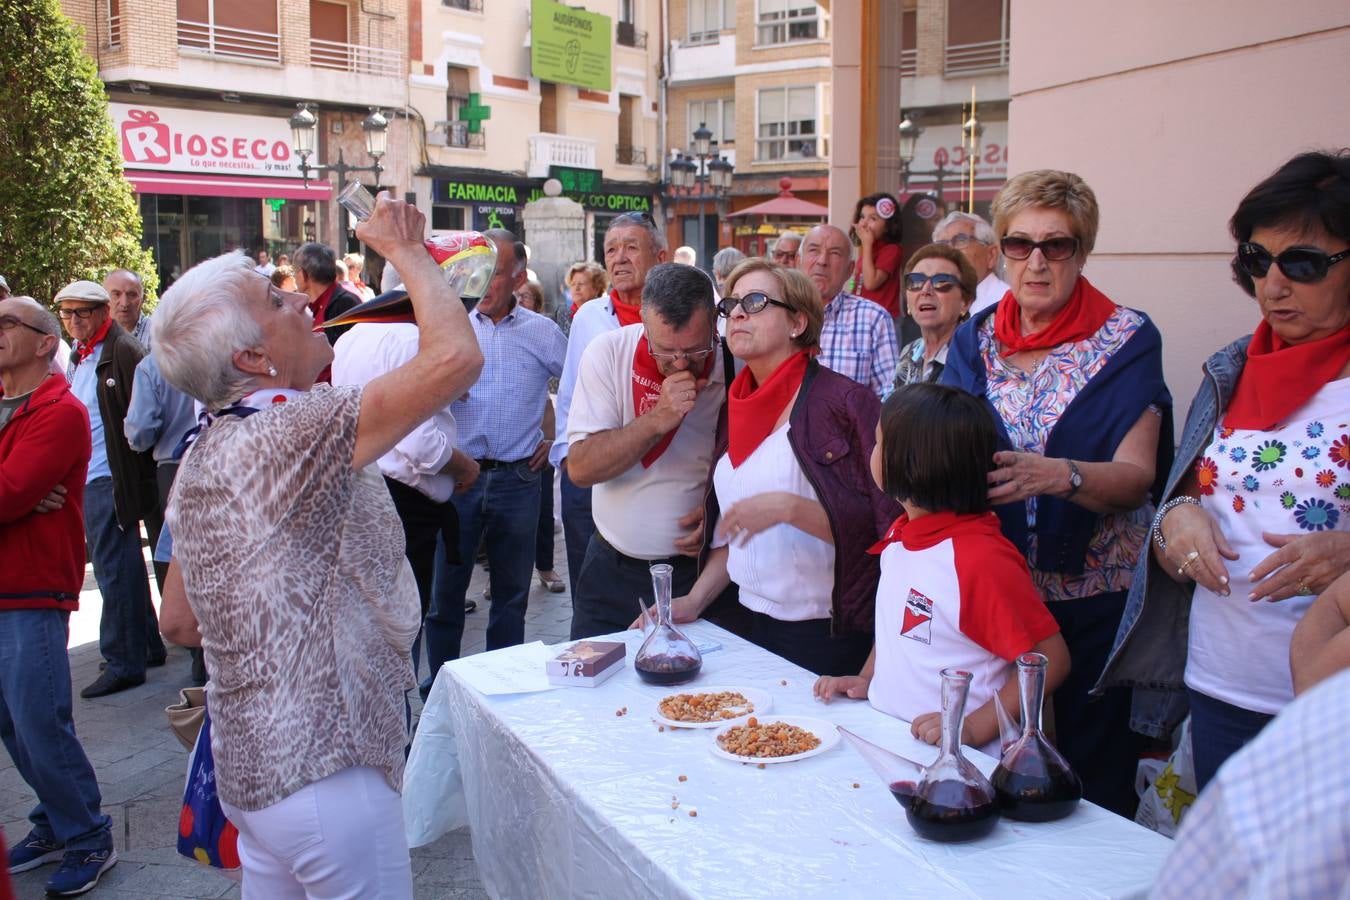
pixel 201 92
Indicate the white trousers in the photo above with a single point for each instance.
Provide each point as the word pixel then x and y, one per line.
pixel 340 837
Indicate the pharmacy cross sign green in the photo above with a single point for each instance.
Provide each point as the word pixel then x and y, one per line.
pixel 474 112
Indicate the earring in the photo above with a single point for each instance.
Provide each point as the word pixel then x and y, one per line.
pixel 272 371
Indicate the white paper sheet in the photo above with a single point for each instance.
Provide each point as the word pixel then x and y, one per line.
pixel 513 670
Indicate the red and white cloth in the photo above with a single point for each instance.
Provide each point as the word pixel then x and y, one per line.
pixel 953 592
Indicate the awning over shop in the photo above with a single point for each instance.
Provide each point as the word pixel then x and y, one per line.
pixel 785 204
pixel 148 182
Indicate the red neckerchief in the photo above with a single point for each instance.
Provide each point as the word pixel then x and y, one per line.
pixel 934 528
pixel 753 409
pixel 83 351
pixel 573 310
pixel 647 379
pixel 320 304
pixel 627 315
pixel 1087 310
pixel 1279 378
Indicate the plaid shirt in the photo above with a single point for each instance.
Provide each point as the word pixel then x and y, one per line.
pixel 1274 822
pixel 858 340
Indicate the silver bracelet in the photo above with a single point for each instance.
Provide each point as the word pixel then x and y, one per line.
pixel 1156 528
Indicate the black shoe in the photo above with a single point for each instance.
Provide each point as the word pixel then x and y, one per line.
pixel 108 683
pixel 470 606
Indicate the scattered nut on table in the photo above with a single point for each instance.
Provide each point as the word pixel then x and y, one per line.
pixel 693 813
pixel 855 784
pixel 761 765
pixel 661 728
pixel 684 777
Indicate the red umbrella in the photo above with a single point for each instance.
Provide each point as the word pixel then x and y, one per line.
pixel 785 204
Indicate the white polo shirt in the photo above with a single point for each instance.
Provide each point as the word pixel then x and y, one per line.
pixel 638 511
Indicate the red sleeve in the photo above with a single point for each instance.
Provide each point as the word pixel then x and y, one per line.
pixel 1001 610
pixel 54 441
pixel 886 258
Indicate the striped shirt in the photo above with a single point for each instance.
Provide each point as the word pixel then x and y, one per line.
pixel 858 341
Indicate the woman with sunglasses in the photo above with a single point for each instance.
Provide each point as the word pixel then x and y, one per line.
pixel 940 285
pixel 1075 383
pixel 791 479
pixel 1256 522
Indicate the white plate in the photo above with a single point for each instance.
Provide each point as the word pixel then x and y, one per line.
pixel 828 734
pixel 761 700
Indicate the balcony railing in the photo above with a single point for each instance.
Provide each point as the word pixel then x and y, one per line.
pixel 909 62
pixel 355 58
pixel 559 150
pixel 466 5
pixel 630 156
pixel 979 57
pixel 115 30
pixel 457 134
pixel 625 35
pixel 218 40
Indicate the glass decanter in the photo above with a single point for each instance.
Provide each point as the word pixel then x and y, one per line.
pixel 953 801
pixel 1033 782
pixel 666 657
pixel 900 774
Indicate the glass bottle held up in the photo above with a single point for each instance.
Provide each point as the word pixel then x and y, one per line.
pixel 666 657
pixel 1033 782
pixel 953 801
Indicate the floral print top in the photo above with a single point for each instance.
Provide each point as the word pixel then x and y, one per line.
pixel 1030 404
pixel 1293 480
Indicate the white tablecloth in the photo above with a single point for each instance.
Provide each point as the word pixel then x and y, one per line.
pixel 566 799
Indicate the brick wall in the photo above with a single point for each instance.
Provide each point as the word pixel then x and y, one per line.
pixel 747 131
pixel 931 40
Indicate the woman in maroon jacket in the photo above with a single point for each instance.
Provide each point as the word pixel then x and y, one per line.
pixel 798 507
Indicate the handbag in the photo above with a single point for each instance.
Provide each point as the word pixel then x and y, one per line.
pixel 185 716
pixel 205 835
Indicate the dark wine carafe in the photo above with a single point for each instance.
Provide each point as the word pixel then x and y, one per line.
pixel 953 801
pixel 899 774
pixel 666 657
pixel 1033 782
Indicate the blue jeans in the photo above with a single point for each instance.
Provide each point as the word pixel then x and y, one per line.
pixel 128 631
pixel 578 526
pixel 1218 730
pixel 501 508
pixel 39 733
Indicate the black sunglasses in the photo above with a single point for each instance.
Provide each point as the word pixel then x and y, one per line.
pixel 752 303
pixel 1305 264
pixel 1053 249
pixel 942 282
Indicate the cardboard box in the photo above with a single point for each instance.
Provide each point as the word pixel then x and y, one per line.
pixel 586 663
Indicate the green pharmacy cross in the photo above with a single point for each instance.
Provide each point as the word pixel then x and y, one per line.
pixel 474 112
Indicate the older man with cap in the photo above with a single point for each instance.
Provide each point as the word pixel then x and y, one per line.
pixel 127 292
pixel 858 338
pixel 119 488
pixel 44 446
pixel 974 237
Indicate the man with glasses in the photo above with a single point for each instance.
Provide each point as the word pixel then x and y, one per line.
pixel 633 244
pixel 784 251
pixel 641 431
pixel 858 338
pixel 44 445
pixel 974 237
pixel 119 491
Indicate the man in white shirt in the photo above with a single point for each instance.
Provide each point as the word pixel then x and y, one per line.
pixel 424 469
pixel 264 266
pixel 641 430
pixel 633 244
pixel 974 237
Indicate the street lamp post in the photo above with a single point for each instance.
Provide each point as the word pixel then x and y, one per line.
pixel 910 131
pixel 706 168
pixel 303 139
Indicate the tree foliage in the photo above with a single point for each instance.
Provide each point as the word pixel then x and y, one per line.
pixel 66 211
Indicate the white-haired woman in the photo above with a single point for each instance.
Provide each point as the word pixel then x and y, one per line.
pixel 293 564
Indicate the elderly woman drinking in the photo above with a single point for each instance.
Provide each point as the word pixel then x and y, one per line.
pixel 1255 524
pixel 293 562
pixel 939 285
pixel 792 479
pixel 1076 386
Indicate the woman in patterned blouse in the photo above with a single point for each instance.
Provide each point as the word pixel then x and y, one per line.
pixel 293 564
pixel 1257 523
pixel 1075 383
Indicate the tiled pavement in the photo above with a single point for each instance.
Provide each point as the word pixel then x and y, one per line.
pixel 141 767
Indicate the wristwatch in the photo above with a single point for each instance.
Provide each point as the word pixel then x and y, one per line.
pixel 1075 479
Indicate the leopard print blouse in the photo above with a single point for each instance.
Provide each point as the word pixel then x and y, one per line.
pixel 294 566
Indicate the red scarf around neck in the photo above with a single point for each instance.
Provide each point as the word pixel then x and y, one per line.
pixel 753 409
pixel 934 528
pixel 1279 378
pixel 1087 310
pixel 83 351
pixel 627 315
pixel 647 380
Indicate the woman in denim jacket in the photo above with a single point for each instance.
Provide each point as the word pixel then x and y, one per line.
pixel 1257 521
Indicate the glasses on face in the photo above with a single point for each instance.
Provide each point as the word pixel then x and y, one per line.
pixel 753 302
pixel 1304 264
pixel 942 282
pixel 1054 249
pixel 784 257
pixel 84 313
pixel 9 323
pixel 690 356
pixel 962 241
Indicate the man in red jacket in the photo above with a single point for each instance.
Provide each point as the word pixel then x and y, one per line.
pixel 44 447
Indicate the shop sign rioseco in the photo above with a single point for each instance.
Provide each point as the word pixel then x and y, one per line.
pixel 183 140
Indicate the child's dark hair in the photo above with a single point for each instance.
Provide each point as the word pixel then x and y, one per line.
pixel 938 448
pixel 893 232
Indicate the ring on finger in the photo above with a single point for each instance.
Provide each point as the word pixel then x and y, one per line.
pixel 1303 589
pixel 1190 558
